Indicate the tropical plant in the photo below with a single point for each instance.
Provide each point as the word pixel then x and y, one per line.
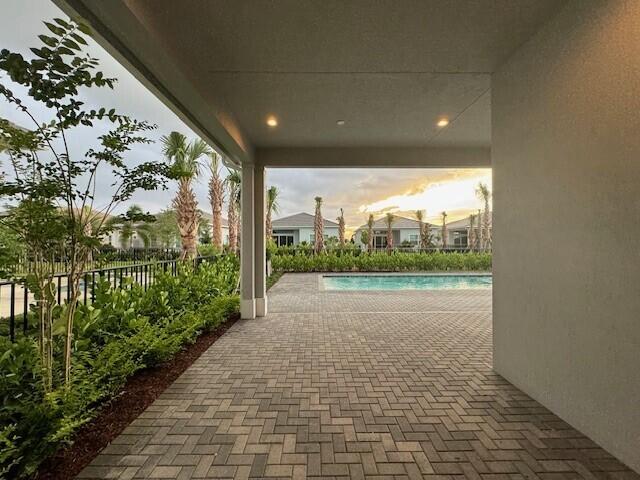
pixel 184 158
pixel 444 229
pixel 389 219
pixel 341 227
pixel 216 198
pixel 125 329
pixel 272 207
pixel 318 228
pixel 234 182
pixel 53 183
pixel 471 237
pixel 134 222
pixel 484 194
pixel 370 222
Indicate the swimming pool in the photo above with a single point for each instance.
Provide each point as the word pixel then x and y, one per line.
pixel 406 282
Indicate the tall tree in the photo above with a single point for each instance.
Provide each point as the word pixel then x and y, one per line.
pixel 341 228
pixel 484 194
pixel 421 229
pixel 234 181
pixel 272 207
pixel 370 222
pixel 55 184
pixel 216 198
pixel 184 158
pixel 444 230
pixel 318 227
pixel 389 219
pixel 471 237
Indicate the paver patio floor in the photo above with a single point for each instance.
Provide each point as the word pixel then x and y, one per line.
pixel 353 385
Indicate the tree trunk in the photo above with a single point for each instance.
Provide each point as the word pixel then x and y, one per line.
pixel 370 240
pixel 318 244
pixel 216 196
pixel 269 226
pixel 485 221
pixel 233 235
pixel 188 218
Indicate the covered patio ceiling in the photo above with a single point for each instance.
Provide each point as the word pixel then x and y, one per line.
pixel 390 70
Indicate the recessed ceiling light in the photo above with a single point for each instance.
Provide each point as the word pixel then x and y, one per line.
pixel 272 121
pixel 443 122
pixel 340 123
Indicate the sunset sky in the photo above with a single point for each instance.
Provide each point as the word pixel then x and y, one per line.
pixel 358 191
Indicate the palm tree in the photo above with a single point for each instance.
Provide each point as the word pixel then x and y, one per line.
pixel 318 227
pixel 184 157
pixel 272 207
pixel 341 227
pixel 484 194
pixel 471 238
pixel 421 229
pixel 444 230
pixel 370 223
pixel 133 223
pixel 216 197
pixel 234 181
pixel 389 219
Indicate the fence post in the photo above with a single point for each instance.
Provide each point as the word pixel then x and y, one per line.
pixel 25 308
pixel 12 315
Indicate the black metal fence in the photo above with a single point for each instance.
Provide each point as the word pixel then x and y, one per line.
pixel 16 299
pixel 105 257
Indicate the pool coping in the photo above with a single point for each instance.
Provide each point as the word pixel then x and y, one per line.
pixel 322 288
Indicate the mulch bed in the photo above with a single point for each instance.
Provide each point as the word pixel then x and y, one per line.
pixel 138 393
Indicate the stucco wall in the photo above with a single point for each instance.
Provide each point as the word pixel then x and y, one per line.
pixel 566 166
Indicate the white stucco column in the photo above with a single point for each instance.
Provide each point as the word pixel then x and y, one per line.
pixel 260 243
pixel 247 245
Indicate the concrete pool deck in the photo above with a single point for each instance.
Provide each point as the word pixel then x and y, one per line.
pixel 380 385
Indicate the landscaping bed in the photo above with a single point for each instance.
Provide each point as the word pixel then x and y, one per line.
pixel 139 392
pixel 128 345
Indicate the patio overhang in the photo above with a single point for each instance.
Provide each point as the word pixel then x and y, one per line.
pixel 374 157
pixel 543 91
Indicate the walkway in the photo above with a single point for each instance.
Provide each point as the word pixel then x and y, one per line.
pixel 353 385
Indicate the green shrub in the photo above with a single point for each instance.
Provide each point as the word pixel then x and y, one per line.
pixel 382 262
pixel 123 331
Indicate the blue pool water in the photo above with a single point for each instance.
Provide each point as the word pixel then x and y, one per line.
pixel 406 282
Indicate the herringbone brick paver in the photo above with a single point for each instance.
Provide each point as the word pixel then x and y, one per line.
pixel 358 385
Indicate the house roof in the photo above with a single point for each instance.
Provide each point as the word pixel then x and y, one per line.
pixel 300 220
pixel 464 222
pixel 399 223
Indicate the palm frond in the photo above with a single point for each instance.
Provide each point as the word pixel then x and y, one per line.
pixel 272 199
pixel 174 144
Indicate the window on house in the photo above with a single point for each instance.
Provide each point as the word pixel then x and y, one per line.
pixel 283 240
pixel 414 239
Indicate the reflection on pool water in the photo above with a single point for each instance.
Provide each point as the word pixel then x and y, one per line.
pixel 406 282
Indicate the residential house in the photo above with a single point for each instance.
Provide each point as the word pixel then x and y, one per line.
pixel 298 228
pixel 406 233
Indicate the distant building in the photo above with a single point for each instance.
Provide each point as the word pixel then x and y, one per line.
pixel 298 228
pixel 114 238
pixel 406 233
